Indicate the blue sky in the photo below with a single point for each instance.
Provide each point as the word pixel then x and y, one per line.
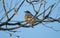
pixel 38 31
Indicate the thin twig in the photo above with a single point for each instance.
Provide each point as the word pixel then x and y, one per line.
pixel 45 10
pixel 20 5
pixel 5 9
pixel 50 27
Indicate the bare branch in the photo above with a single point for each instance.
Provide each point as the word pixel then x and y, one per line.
pixel 46 9
pixel 50 27
pixel 20 5
pixel 5 9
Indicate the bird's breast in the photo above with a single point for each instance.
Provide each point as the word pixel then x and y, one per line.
pixel 27 18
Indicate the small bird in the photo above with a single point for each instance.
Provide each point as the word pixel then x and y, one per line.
pixel 29 18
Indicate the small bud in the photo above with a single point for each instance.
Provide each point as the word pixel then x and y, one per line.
pixel 15 12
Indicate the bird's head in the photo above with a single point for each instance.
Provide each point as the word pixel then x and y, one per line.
pixel 27 11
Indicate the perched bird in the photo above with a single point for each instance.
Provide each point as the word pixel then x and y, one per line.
pixel 29 18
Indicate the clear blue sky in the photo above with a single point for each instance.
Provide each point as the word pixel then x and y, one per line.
pixel 38 31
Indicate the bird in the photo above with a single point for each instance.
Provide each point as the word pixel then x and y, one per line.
pixel 30 18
